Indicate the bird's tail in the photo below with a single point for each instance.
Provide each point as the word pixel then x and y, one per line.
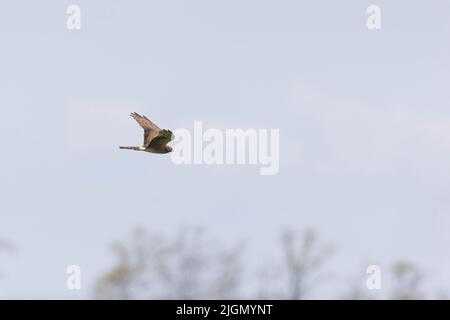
pixel 131 148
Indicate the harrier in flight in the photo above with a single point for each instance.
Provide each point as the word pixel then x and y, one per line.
pixel 155 139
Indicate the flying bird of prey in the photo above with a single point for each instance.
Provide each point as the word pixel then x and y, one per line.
pixel 155 139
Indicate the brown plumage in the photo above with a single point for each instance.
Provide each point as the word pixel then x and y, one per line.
pixel 155 139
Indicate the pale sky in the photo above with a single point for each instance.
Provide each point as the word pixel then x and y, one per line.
pixel 363 116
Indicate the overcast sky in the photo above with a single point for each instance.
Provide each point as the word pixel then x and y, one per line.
pixel 363 115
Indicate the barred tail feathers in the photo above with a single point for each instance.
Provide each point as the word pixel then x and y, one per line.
pixel 130 148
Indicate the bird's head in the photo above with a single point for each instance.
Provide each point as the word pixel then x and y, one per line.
pixel 168 149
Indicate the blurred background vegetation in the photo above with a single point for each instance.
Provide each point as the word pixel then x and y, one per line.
pixel 192 264
pixel 195 265
pixel 5 248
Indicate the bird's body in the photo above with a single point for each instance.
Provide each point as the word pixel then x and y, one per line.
pixel 155 139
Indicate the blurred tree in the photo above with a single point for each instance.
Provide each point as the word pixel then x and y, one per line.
pixel 304 257
pixel 6 246
pixel 407 281
pixel 191 266
pixel 356 288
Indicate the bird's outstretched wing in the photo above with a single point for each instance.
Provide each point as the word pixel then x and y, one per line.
pixel 163 138
pixel 151 130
